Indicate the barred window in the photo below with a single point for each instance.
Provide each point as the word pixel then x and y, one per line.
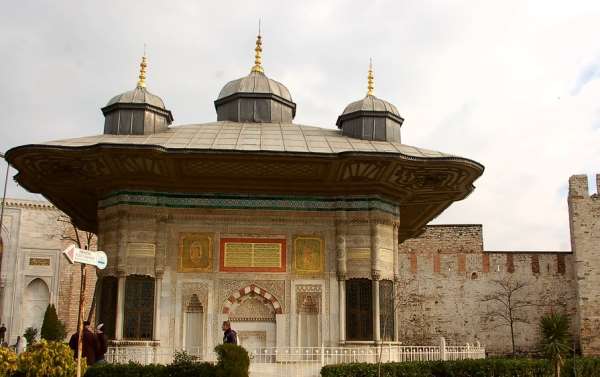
pixel 386 312
pixel 139 308
pixel 359 309
pixel 108 305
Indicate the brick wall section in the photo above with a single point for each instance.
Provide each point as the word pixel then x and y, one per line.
pixel 584 215
pixel 449 303
pixel 69 285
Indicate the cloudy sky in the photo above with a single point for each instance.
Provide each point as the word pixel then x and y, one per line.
pixel 514 85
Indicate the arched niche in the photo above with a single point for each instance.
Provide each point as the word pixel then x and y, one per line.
pixel 36 299
pixel 193 325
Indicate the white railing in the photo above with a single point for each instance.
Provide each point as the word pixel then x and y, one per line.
pixel 305 361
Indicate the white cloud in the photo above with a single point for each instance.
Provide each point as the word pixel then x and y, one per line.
pixel 505 83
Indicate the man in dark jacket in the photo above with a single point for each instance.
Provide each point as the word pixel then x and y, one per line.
pixel 229 336
pixel 102 343
pixel 89 344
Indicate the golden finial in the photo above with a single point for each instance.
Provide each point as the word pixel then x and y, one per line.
pixel 258 52
pixel 142 81
pixel 370 86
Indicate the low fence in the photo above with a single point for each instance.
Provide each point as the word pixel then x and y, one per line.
pixel 306 361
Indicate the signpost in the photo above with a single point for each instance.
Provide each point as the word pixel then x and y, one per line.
pixel 84 257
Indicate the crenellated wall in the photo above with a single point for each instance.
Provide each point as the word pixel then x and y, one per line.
pixel 445 274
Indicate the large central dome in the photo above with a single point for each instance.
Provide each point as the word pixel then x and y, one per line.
pixel 255 98
pixel 255 82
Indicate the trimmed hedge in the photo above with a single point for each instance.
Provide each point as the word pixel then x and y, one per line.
pixel 137 370
pixel 586 367
pixel 232 361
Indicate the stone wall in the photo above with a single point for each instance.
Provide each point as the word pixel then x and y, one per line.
pixel 584 216
pixel 33 240
pixel 445 276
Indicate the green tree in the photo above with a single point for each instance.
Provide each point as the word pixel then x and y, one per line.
pixel 555 339
pixel 52 328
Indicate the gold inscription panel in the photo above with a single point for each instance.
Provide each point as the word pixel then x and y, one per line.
pixel 252 254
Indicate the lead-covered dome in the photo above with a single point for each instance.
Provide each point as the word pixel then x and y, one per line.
pixel 255 82
pixel 138 95
pixel 137 111
pixel 371 118
pixel 255 98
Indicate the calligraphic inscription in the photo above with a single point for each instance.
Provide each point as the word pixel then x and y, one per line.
pixel 252 255
pixel 141 249
pixel 195 252
pixel 359 259
pixel 39 261
pixel 308 255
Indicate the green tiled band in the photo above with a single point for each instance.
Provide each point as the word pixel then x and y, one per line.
pixel 230 201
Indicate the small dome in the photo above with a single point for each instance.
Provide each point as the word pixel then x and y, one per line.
pixel 138 95
pixel 371 118
pixel 255 82
pixel 371 103
pixel 136 112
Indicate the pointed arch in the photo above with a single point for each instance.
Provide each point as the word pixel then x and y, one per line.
pixel 252 289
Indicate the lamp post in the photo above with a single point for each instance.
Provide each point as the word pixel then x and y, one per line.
pixel 4 194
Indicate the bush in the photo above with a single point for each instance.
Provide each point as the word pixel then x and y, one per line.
pixel 232 361
pixel 52 328
pixel 586 367
pixel 48 359
pixel 126 370
pixel 8 361
pixel 30 335
pixel 462 368
pixel 137 370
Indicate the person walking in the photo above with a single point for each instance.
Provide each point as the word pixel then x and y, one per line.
pixel 2 333
pixel 89 344
pixel 21 345
pixel 229 335
pixel 102 344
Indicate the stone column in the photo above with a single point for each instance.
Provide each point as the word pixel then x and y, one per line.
pixel 342 307
pixel 120 306
pixel 376 315
pixel 396 281
pixel 341 276
pixel 375 276
pixel 157 293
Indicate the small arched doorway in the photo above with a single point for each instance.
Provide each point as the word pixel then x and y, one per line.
pixel 36 300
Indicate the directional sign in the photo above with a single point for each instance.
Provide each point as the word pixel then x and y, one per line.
pixel 77 255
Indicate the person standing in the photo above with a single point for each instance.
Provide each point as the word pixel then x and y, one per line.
pixel 2 333
pixel 20 345
pixel 229 335
pixel 102 344
pixel 89 344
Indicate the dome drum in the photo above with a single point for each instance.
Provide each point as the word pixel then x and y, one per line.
pixel 135 119
pixel 371 125
pixel 255 108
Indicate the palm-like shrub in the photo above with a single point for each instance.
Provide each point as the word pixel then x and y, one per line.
pixel 555 339
pixel 30 335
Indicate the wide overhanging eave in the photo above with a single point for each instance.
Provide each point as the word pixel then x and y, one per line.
pixel 74 178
